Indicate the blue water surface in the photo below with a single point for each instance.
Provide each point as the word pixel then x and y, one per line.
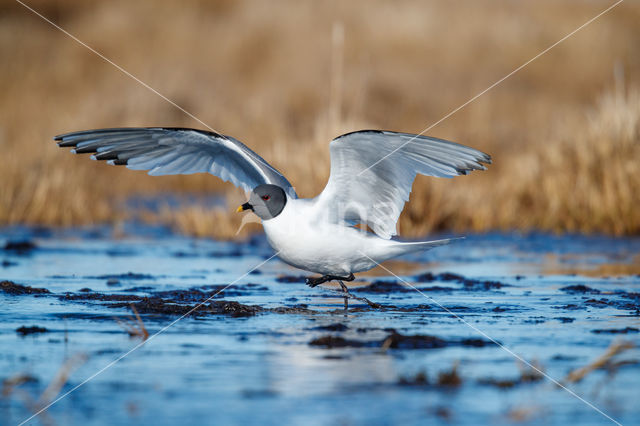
pixel 555 302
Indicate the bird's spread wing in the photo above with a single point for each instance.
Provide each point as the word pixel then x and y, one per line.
pixel 170 151
pixel 372 173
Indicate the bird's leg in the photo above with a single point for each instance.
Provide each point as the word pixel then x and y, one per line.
pixel 345 290
pixel 313 282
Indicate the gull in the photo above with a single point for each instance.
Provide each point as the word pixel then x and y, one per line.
pixel 346 229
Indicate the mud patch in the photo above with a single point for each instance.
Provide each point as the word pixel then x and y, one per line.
pixel 126 276
pixel 9 287
pixel 21 247
pixel 292 279
pixel 174 305
pixel 618 304
pixel 385 286
pixel 155 305
pixel 626 330
pixel 180 302
pixel 579 289
pixel 31 330
pixel 397 341
pixel 331 327
pixel 87 295
pixel 468 283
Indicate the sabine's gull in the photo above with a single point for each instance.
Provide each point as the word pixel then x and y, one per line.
pixel 372 172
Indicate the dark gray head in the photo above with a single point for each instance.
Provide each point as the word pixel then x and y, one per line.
pixel 267 201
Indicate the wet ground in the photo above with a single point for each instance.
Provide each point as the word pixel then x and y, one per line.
pixel 270 350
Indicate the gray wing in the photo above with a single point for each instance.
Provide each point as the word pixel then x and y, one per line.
pixel 372 173
pixel 170 151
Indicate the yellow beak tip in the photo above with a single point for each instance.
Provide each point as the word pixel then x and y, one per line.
pixel 239 209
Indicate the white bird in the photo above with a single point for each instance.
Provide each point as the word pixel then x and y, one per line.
pixel 371 176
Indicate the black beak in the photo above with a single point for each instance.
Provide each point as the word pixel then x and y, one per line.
pixel 245 206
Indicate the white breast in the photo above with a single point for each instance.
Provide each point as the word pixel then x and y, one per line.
pixel 305 241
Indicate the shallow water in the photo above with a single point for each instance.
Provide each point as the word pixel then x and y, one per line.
pixel 556 302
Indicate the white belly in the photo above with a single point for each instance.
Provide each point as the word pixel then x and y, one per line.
pixel 318 247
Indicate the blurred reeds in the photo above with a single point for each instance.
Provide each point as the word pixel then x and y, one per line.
pixel 285 77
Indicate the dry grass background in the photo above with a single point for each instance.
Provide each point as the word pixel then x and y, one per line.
pixel 564 132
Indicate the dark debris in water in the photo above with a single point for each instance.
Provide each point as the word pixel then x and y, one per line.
pixel 396 341
pixel 234 290
pixel 601 303
pixel 137 289
pixel 445 379
pixel 180 302
pixel 330 342
pixel 292 279
pixel 420 379
pixel 187 296
pixel 570 307
pixel 126 276
pixel 199 294
pixel 395 286
pixel 231 253
pixel 579 289
pixel 331 327
pixel 618 304
pixel 19 247
pixel 300 308
pixel 90 296
pixel 385 286
pixel 468 283
pixel 633 305
pixel 422 307
pixel 168 306
pixel 509 383
pixel 157 305
pixel 528 374
pixel 450 379
pixel 435 288
pixel 626 330
pixel 400 341
pixel 9 287
pixel 24 330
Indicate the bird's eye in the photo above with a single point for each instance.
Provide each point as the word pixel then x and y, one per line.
pixel 266 197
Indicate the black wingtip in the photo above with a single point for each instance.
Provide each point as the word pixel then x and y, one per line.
pixel 66 144
pixel 85 150
pixel 106 156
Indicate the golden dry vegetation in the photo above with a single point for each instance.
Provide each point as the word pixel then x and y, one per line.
pixel 287 76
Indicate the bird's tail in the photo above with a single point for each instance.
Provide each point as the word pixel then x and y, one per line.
pixel 400 248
